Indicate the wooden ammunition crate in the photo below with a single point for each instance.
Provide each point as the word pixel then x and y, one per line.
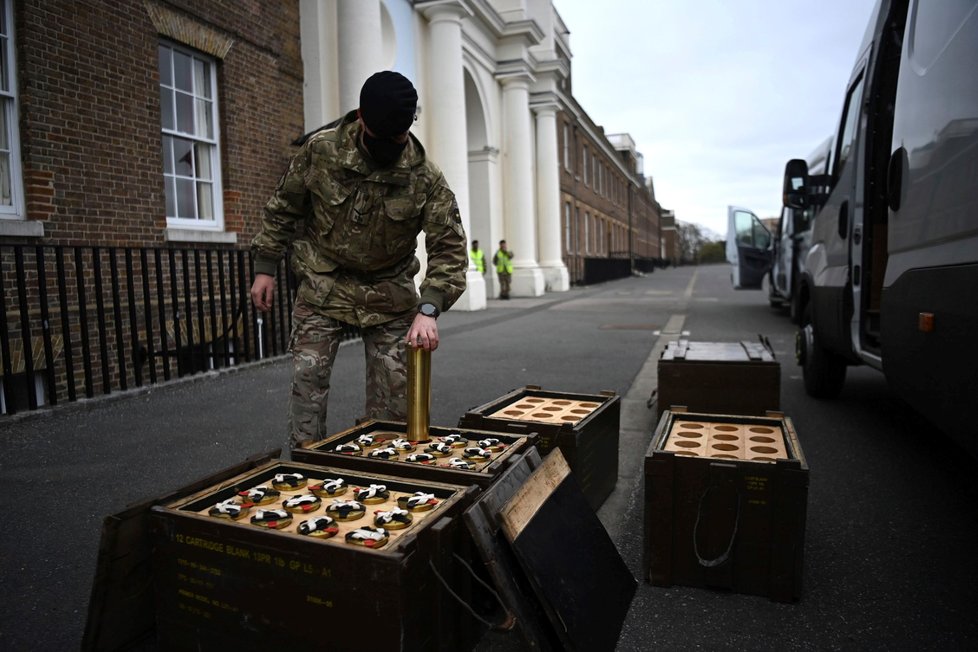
pixel 484 473
pixel 224 584
pixel 583 426
pixel 725 504
pixel 719 377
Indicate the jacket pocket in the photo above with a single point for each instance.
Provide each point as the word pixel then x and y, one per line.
pixel 329 201
pixel 392 296
pixel 401 223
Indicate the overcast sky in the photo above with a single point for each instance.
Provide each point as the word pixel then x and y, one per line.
pixel 717 94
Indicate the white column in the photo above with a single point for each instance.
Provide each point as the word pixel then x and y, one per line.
pixel 313 28
pixel 548 200
pixel 444 104
pixel 358 32
pixel 518 179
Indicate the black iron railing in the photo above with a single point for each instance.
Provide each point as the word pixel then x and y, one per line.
pixel 81 321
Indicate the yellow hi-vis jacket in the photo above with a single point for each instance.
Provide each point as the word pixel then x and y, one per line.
pixel 504 262
pixel 479 258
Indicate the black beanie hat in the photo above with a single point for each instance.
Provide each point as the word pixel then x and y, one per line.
pixel 388 103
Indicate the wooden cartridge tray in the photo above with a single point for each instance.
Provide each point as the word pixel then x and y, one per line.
pixel 440 469
pixel 758 442
pixel 343 527
pixel 547 410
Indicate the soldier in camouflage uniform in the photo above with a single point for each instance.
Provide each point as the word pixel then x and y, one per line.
pixel 351 206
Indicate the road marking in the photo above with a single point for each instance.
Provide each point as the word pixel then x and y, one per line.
pixel 692 282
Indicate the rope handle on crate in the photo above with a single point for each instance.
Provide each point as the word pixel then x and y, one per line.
pixel 465 604
pixel 712 563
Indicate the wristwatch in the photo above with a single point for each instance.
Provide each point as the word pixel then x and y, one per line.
pixel 429 310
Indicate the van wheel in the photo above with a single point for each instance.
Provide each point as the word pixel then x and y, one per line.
pixel 823 371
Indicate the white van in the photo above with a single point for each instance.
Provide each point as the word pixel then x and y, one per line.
pixel 891 275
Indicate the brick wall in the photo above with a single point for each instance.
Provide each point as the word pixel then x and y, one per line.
pixel 608 205
pixel 90 115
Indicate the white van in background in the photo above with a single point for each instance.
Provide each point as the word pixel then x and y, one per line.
pixel 779 257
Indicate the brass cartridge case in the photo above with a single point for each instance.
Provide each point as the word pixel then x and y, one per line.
pixel 418 393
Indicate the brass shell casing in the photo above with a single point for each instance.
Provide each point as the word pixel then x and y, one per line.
pixel 418 393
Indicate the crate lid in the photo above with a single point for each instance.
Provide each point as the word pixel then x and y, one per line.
pixel 535 523
pixel 743 351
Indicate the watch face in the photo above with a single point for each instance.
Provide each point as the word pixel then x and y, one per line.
pixel 428 310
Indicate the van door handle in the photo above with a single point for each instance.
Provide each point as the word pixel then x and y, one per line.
pixel 844 220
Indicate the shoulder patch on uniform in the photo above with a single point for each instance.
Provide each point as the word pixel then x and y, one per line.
pixel 456 214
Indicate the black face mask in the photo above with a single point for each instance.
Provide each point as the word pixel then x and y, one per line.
pixel 383 151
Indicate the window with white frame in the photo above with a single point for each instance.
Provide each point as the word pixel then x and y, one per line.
pixel 191 144
pixel 567 227
pixel 585 166
pixel 587 233
pixel 11 193
pixel 577 231
pixel 566 147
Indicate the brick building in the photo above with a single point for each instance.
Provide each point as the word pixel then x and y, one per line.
pixel 140 140
pixel 609 211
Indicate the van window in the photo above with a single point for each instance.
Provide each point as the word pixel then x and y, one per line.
pixel 850 120
pixel 750 231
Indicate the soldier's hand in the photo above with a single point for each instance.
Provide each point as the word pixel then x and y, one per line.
pixel 263 292
pixel 423 333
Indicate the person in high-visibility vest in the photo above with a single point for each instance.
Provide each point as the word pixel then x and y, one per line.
pixel 478 257
pixel 504 268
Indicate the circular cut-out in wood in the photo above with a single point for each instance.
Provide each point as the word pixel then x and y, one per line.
pixel 546 410
pixel 728 440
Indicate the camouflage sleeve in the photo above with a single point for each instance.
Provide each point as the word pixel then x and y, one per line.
pixel 444 280
pixel 283 216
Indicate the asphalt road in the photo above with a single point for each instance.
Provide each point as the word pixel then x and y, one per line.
pixel 892 525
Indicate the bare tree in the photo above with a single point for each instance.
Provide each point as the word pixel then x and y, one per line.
pixel 690 241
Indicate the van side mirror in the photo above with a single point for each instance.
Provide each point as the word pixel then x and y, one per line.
pixel 795 191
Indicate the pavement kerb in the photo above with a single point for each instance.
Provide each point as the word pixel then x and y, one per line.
pixel 637 424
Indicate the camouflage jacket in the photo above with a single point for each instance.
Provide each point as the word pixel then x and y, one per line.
pixel 354 230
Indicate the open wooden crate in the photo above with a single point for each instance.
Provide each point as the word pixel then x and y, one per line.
pixel 726 512
pixel 224 583
pixel 585 427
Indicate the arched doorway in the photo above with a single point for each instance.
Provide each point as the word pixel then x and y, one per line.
pixel 485 216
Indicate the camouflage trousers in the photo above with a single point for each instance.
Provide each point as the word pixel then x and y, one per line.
pixel 314 343
pixel 504 282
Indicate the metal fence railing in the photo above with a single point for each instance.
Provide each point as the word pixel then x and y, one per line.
pixel 81 321
pixel 591 270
